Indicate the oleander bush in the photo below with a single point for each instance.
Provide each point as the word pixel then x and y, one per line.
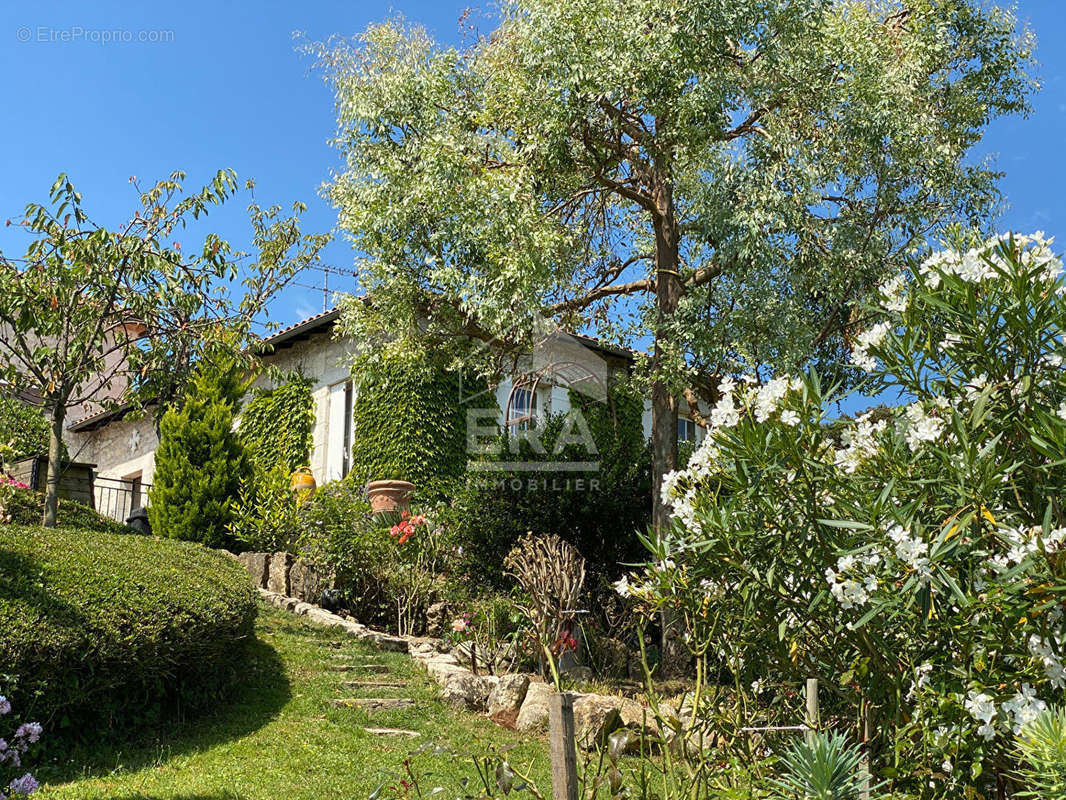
pixel 102 634
pixel 914 559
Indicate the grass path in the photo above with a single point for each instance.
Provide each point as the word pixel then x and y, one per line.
pixel 280 737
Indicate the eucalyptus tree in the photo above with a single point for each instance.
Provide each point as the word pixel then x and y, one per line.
pixel 95 317
pixel 717 181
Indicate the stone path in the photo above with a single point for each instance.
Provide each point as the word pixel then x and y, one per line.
pixel 513 700
pixel 371 704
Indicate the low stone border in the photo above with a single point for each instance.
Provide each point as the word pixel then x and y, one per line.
pixel 515 700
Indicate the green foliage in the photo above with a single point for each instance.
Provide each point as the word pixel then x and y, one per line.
pixel 825 767
pixel 102 634
pixel 766 162
pixel 276 425
pixel 25 507
pixel 390 567
pixel 22 426
pixel 912 558
pixel 600 512
pixel 409 423
pixel 265 511
pixel 276 430
pixel 1041 752
pixel 200 464
pixel 124 315
pixel 336 529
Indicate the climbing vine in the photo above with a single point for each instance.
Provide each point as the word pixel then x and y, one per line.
pixel 277 425
pixel 410 422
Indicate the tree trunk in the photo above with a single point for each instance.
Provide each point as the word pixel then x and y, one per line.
pixel 675 657
pixel 55 465
pixel 663 402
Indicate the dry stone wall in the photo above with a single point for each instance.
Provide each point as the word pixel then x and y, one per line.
pixel 513 700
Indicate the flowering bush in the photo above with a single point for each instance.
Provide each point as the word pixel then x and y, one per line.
pixel 915 557
pixel 403 530
pixel 11 754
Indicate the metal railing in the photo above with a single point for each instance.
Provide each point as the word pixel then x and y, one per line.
pixel 118 497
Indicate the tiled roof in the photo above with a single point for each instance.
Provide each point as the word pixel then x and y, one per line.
pixel 302 328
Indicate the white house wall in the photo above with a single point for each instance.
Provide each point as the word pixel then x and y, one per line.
pixel 127 447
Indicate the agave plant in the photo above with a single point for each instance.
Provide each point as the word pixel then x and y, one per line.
pixel 823 767
pixel 1042 754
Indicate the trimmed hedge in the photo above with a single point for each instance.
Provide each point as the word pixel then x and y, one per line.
pixel 101 633
pixel 26 507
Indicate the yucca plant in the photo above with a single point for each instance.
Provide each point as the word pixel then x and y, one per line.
pixel 1042 756
pixel 823 767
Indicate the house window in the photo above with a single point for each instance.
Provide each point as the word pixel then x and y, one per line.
pixel 686 430
pixel 349 401
pixel 523 409
pixel 339 430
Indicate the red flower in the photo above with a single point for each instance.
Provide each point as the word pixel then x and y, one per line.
pixel 565 642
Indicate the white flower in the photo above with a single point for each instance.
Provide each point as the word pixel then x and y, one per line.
pixel 912 551
pixel 1024 707
pixel 623 587
pixel 950 341
pixel 725 413
pixel 975 387
pixel 981 707
pixel 921 427
pixel 923 674
pixel 790 417
pixel 1062 410
pixel 860 443
pixel 893 297
pixel 768 396
pixel 864 341
pixel 1042 650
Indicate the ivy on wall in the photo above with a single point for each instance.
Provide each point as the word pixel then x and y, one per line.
pixel 617 427
pixel 277 425
pixel 410 422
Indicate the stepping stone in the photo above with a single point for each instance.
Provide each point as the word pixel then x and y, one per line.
pixel 371 704
pixel 354 667
pixel 374 685
pixel 392 732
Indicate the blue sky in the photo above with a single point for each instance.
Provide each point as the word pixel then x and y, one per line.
pixel 220 84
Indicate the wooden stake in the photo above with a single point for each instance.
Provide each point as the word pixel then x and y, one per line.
pixel 813 714
pixel 563 749
pixel 864 791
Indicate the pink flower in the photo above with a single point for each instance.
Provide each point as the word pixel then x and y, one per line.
pixel 461 624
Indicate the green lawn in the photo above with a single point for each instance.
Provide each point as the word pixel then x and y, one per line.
pixel 280 738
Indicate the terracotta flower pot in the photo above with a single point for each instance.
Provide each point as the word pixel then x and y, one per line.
pixel 389 495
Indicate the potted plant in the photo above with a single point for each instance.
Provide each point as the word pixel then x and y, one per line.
pixel 390 495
